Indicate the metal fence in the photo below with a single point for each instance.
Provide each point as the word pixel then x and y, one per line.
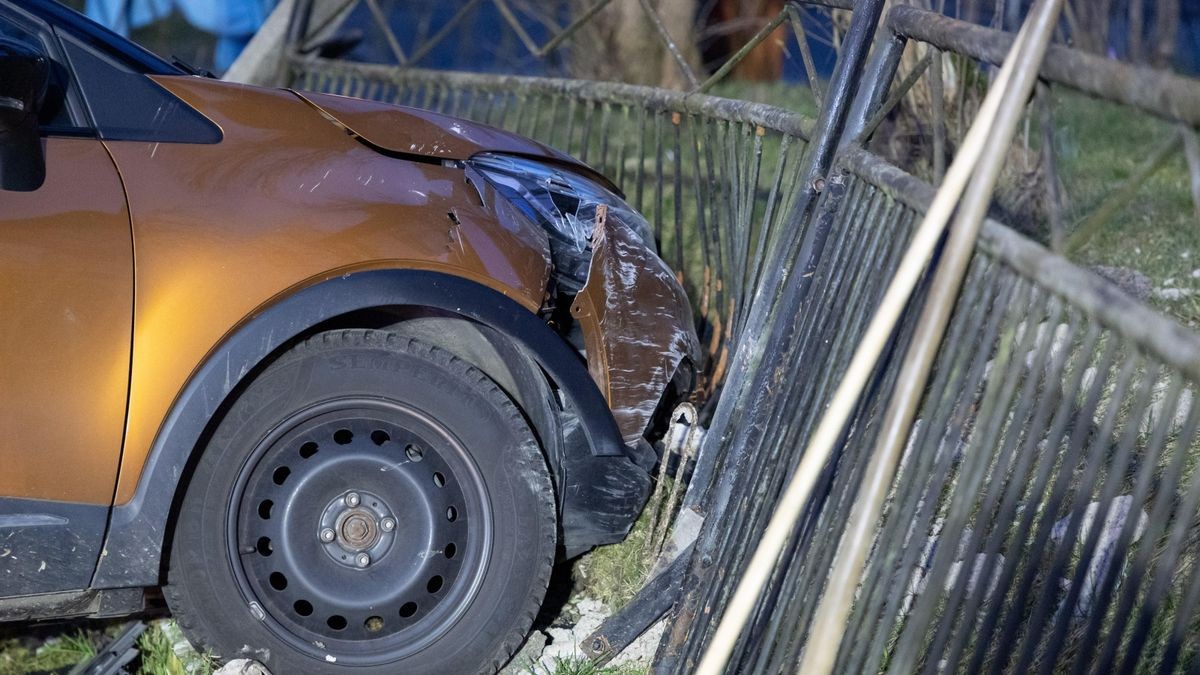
pixel 1046 512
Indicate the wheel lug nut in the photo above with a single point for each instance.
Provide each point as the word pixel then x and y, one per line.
pixel 362 560
pixel 327 535
pixel 352 499
pixel 388 524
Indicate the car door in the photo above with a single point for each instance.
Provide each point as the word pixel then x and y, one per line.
pixel 66 295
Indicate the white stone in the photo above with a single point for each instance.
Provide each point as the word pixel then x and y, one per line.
pixel 242 667
pixel 1172 294
pixel 1157 408
pixel 1057 339
pixel 1118 512
pixel 567 643
pixel 640 653
pixel 983 563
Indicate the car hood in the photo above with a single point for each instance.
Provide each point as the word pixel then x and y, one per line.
pixel 410 131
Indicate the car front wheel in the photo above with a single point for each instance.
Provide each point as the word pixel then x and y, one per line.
pixel 369 502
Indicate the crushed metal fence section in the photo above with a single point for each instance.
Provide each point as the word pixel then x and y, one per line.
pixel 715 177
pixel 1040 517
pixel 1044 516
pixel 866 241
pixel 1046 513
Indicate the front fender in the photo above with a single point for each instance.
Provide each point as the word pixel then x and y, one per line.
pixel 132 554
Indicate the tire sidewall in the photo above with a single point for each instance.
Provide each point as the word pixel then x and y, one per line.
pixel 466 404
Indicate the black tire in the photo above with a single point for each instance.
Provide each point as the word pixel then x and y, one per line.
pixel 342 433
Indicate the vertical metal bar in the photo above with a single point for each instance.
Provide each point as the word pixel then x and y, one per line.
pixel 589 110
pixel 605 119
pixel 879 73
pixel 937 90
pixel 677 230
pixel 569 127
pixel 640 179
pixel 625 127
pixel 1058 234
pixel 707 282
pixel 754 269
pixel 658 175
pixel 751 202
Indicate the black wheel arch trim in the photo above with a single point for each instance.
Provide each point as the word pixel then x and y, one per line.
pixel 137 530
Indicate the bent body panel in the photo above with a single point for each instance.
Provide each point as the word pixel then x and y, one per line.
pixel 411 131
pixel 637 325
pixel 223 230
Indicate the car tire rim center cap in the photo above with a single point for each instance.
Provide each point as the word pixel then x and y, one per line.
pixel 356 529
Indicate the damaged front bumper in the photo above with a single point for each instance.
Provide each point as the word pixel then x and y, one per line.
pixel 637 327
pixel 612 297
pixel 642 350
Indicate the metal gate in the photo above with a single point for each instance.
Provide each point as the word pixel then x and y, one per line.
pixel 1046 513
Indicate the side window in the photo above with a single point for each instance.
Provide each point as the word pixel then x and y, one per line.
pixel 128 106
pixel 56 114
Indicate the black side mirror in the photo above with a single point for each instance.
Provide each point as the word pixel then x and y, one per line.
pixel 24 78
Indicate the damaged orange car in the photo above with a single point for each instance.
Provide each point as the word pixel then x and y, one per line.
pixel 342 379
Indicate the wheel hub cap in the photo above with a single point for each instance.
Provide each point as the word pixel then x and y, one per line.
pixel 352 524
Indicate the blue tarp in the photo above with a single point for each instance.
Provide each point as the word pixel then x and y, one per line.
pixel 234 22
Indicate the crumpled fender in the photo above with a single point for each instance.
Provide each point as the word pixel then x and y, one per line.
pixel 637 324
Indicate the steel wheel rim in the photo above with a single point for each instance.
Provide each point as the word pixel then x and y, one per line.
pixel 421 575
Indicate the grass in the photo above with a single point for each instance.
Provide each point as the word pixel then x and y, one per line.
pixel 582 666
pixel 56 653
pixel 160 657
pixel 1099 146
pixel 56 649
pixel 613 574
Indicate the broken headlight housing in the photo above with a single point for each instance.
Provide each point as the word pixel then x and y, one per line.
pixel 564 204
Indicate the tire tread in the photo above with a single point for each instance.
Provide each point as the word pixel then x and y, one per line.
pixel 531 466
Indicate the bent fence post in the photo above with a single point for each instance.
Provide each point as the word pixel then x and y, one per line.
pixel 1011 89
